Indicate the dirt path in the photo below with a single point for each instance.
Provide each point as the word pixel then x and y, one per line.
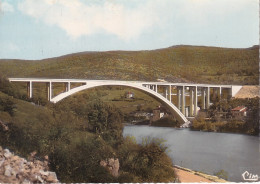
pixel 188 176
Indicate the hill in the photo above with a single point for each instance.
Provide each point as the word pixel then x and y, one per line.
pixel 175 64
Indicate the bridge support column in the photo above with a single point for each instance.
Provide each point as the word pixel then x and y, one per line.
pixel 203 98
pixel 207 97
pixel 219 93
pixel 191 101
pixel 195 101
pixel 156 88
pixel 178 98
pixel 183 100
pixel 170 93
pixel 49 90
pixel 166 92
pixel 29 89
pixel 67 86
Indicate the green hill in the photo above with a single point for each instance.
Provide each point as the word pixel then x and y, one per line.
pixel 175 64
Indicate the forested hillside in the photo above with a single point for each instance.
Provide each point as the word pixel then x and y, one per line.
pixel 175 64
pixel 79 138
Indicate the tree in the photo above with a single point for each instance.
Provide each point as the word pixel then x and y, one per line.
pixel 106 120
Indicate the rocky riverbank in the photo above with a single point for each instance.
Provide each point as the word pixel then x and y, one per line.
pixel 14 169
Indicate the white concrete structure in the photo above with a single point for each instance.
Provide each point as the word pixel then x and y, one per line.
pixel 182 91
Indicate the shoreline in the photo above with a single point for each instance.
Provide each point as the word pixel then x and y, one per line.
pixel 179 128
pixel 185 175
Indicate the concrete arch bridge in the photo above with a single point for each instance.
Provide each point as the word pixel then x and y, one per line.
pixel 163 91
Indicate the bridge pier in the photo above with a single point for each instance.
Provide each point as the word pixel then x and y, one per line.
pixel 207 97
pixel 203 106
pixel 29 89
pixel 183 100
pixel 67 86
pixel 166 92
pixel 219 91
pixel 195 101
pixel 170 93
pixel 178 98
pixel 154 87
pixel 49 90
pixel 191 113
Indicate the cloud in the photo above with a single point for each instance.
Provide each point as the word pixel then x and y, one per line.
pixel 129 20
pixel 6 7
pixel 79 19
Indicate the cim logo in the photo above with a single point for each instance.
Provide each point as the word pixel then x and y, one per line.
pixel 249 176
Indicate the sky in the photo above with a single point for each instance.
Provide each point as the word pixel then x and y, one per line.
pixel 38 29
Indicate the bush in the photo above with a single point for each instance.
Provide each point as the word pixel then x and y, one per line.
pixel 168 121
pixel 7 105
pixel 78 160
pixel 222 174
pixel 148 161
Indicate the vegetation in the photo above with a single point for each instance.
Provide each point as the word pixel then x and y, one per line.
pixel 167 121
pixel 77 136
pixel 219 117
pixel 174 64
pixel 222 174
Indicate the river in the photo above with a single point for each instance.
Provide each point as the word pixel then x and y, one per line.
pixel 208 152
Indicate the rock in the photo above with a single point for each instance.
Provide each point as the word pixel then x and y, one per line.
pixel 52 178
pixel 2 162
pixel 103 163
pixel 14 169
pixel 115 168
pixel 112 166
pixel 8 170
pixel 25 181
pixel 43 173
pixel 7 153
pixel 39 179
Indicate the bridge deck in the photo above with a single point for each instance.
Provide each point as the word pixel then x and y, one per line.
pixel 117 81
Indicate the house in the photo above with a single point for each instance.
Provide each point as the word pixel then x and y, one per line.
pixel 158 113
pixel 129 95
pixel 239 111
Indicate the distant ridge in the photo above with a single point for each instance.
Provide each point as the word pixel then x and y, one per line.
pixel 181 63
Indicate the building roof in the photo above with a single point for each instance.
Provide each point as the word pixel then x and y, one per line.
pixel 239 108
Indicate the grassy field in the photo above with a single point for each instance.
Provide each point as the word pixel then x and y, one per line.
pixel 116 96
pixel 174 64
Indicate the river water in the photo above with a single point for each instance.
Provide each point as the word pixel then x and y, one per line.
pixel 208 152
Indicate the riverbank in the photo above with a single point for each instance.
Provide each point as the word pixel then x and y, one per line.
pixel 185 175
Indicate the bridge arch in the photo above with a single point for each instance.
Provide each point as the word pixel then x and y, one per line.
pixel 174 110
